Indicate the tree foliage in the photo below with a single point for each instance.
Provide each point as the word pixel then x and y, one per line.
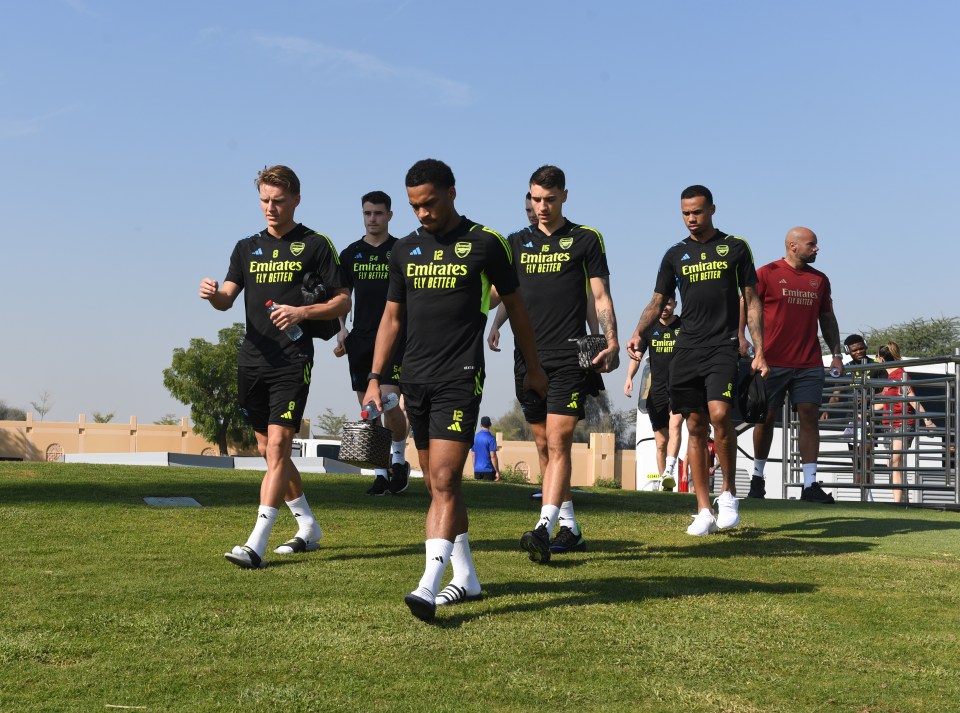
pixel 44 405
pixel 102 417
pixel 330 424
pixel 601 418
pixel 919 337
pixel 168 419
pixel 513 425
pixel 11 413
pixel 204 376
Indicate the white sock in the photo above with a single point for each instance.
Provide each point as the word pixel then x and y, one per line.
pixel 548 517
pixel 464 574
pixel 397 450
pixel 567 518
pixel 670 465
pixel 758 465
pixel 438 554
pixel 257 541
pixel 809 474
pixel 307 527
pixel 381 472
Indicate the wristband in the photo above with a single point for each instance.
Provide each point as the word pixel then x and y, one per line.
pixel 374 375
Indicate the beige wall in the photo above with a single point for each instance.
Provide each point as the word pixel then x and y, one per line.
pixel 591 462
pixel 44 440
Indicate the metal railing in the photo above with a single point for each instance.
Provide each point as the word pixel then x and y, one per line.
pixel 867 452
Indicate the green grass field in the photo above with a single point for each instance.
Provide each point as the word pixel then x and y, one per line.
pixel 109 604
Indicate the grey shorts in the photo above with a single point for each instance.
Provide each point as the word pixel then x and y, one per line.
pixel 805 386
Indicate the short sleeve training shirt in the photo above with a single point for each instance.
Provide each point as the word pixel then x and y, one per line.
pixel 710 276
pixel 444 281
pixel 484 443
pixel 793 301
pixel 554 273
pixel 367 270
pixel 270 268
pixel 660 340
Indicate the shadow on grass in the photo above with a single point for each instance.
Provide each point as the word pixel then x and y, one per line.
pixel 611 590
pixel 854 526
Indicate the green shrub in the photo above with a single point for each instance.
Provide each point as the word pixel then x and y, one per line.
pixel 608 483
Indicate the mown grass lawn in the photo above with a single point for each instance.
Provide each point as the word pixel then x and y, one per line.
pixel 105 602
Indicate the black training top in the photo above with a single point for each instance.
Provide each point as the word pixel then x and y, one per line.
pixel 876 370
pixel 660 340
pixel 554 273
pixel 444 281
pixel 711 276
pixel 367 269
pixel 269 268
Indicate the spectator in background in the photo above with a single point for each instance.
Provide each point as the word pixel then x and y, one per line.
pixel 485 465
pixel 902 435
pixel 856 347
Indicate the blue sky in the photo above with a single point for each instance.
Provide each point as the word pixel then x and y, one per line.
pixel 130 135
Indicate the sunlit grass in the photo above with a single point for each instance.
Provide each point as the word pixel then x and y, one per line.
pixel 109 602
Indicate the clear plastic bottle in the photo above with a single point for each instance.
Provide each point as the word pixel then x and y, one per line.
pixel 293 331
pixel 370 412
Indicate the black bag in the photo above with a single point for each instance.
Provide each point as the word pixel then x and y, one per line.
pixel 753 399
pixel 587 349
pixel 315 292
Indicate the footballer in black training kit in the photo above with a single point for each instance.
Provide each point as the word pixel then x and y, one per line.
pixel 273 377
pixel 440 280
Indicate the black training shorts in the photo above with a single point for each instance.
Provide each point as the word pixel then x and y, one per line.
pixel 567 386
pixel 658 409
pixel 273 395
pixel 702 374
pixel 360 360
pixel 446 411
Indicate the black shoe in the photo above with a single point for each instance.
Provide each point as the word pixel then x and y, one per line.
pixel 567 541
pixel 380 486
pixel 757 488
pixel 421 608
pixel 537 543
pixel 816 494
pixel 399 477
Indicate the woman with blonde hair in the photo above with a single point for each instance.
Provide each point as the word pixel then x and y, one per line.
pixel 902 436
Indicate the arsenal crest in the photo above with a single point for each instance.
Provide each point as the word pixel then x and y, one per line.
pixel 296 248
pixel 722 250
pixel 565 243
pixel 462 249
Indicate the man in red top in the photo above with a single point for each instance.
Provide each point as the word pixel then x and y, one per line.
pixel 795 298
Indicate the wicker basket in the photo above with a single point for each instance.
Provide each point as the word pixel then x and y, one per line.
pixel 365 444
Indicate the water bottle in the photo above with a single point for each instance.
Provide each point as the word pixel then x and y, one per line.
pixel 370 411
pixel 293 331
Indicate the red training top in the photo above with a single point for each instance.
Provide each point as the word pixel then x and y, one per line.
pixel 898 374
pixel 793 301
